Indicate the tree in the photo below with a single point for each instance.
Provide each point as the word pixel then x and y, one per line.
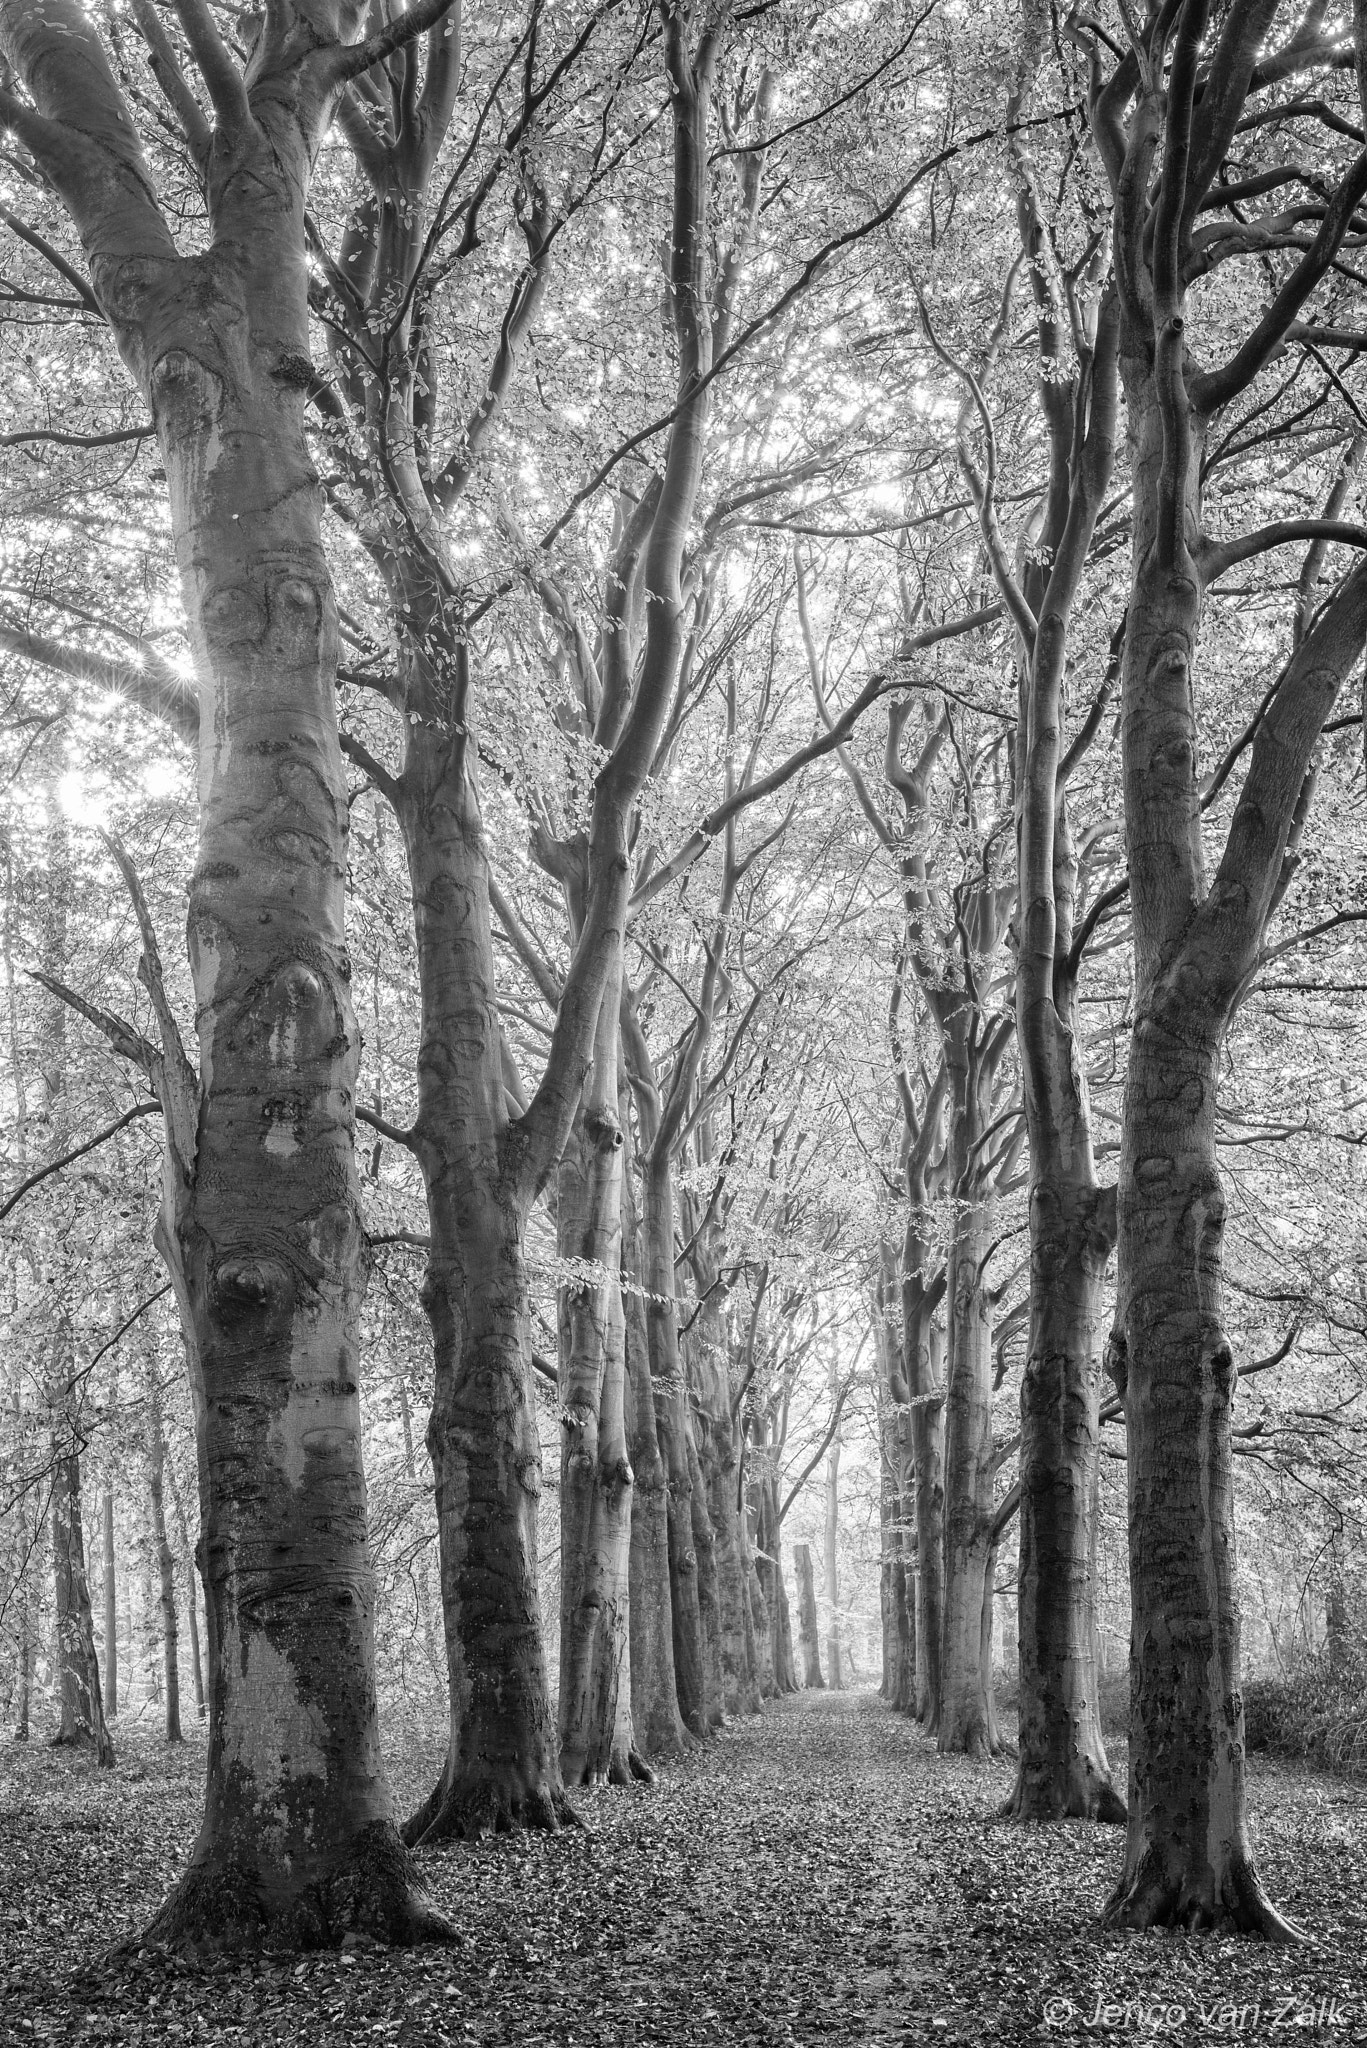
pixel 82 1709
pixel 831 1559
pixel 954 927
pixel 260 1227
pixel 1165 117
pixel 595 1719
pixel 809 1640
pixel 1063 1769
pixel 166 1563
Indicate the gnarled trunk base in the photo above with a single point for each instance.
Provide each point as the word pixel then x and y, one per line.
pixel 101 1746
pixel 1078 1789
pixel 1224 1900
pixel 466 1805
pixel 371 1889
pixel 626 1767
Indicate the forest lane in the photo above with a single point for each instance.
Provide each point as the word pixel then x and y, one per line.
pixel 816 1874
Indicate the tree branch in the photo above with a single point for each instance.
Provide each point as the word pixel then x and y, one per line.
pixel 407 1139
pixel 1217 387
pixel 129 1116
pixel 1215 557
pixel 81 285
pixel 879 685
pixel 344 64
pixel 154 687
pixel 223 81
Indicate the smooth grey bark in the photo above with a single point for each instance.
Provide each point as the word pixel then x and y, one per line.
pixel 1063 1771
pixel 596 1481
pixel 654 1690
pixel 82 1721
pixel 166 1563
pixel 831 1559
pixel 260 1225
pixel 191 1602
pixel 110 1595
pixel 1163 138
pixel 809 1632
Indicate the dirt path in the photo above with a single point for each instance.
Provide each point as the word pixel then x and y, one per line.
pixel 818 1874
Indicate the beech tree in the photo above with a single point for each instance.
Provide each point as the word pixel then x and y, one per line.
pixel 954 929
pixel 261 1226
pixel 1166 117
pixel 685 1073
pixel 483 1166
pixel 809 1640
pixel 1063 1769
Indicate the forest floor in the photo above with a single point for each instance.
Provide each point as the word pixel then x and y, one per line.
pixel 817 1874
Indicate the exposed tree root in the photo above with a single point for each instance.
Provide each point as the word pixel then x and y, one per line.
pixel 475 1807
pixel 976 1743
pixel 372 1892
pixel 630 1769
pixel 1083 1797
pixel 1155 1895
pixel 626 1767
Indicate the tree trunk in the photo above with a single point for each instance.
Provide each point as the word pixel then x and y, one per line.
pixel 921 1364
pixel 720 1436
pixel 260 1225
pixel 968 1492
pixel 902 1688
pixel 885 1593
pixel 1188 1861
pixel 81 1710
pixel 150 1633
pixel 964 1707
pixel 130 1637
pixel 709 1580
pixel 196 1660
pixel 654 1691
pixel 928 1443
pixel 502 1768
pixel 1338 1641
pixel 989 1616
pixel 595 1475
pixel 675 1431
pixel 762 1619
pixel 833 1676
pixel 23 1674
pixel 78 1672
pixel 262 1229
pixel 191 1603
pixel 785 1676
pixel 808 1627
pixel 1063 1773
pixel 111 1612
pixel 32 1536
pixel 768 1561
pixel 166 1563
pixel 897 1574
pixel 421 1576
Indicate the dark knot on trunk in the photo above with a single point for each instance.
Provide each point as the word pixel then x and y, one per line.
pixel 1118 1363
pixel 246 1287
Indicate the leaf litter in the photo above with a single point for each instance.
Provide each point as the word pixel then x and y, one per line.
pixel 817 1873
